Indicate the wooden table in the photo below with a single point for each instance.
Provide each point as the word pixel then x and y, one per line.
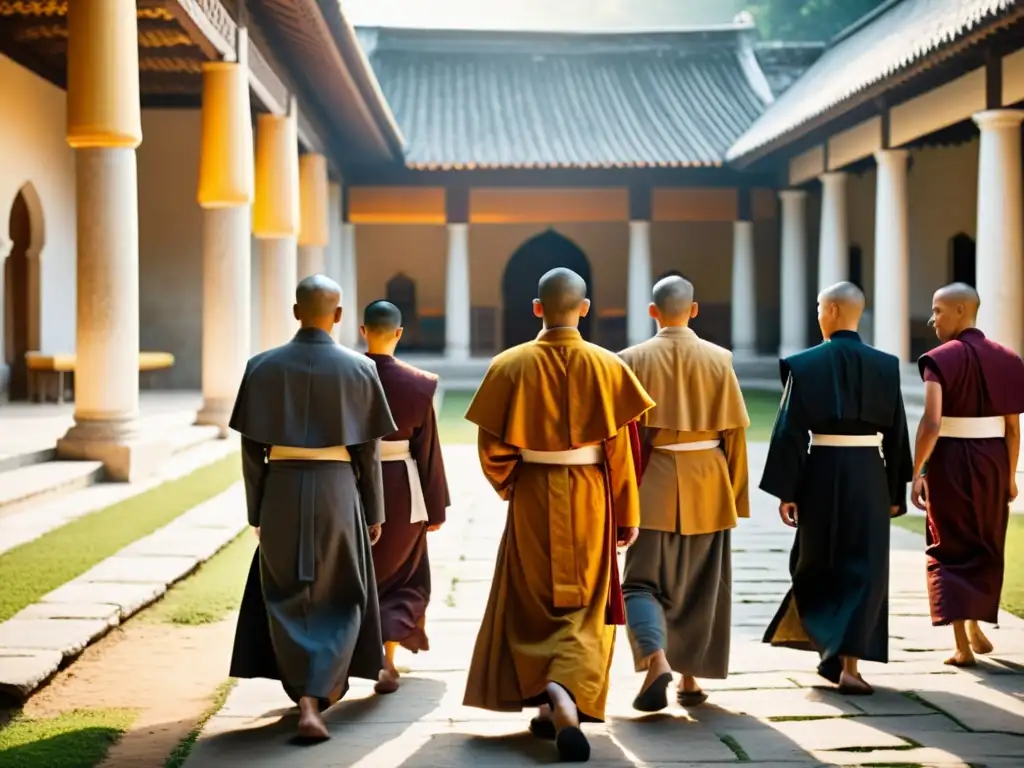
pixel 40 367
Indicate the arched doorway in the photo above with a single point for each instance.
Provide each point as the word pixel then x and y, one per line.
pixel 401 291
pixel 962 259
pixel 21 288
pixel 519 283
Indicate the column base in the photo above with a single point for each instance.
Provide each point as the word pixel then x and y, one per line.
pixel 458 353
pixel 127 456
pixel 215 413
pixel 744 352
pixel 787 351
pixel 5 371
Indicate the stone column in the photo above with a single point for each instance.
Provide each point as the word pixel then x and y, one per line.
pixel 834 245
pixel 639 325
pixel 225 194
pixel 314 233
pixel 1000 261
pixel 457 294
pixel 332 254
pixel 276 225
pixel 104 127
pixel 892 255
pixel 793 293
pixel 352 313
pixel 744 290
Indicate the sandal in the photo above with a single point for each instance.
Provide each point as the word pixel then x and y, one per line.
pixel 654 698
pixel 573 746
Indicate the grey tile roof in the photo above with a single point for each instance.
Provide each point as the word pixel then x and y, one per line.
pixel 896 36
pixel 543 100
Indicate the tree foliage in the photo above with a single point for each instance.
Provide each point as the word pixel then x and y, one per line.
pixel 815 20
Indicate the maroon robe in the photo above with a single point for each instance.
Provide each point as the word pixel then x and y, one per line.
pixel 400 557
pixel 969 480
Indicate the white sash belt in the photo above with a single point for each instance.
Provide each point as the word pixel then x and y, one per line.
pixel 291 453
pixel 847 441
pixel 576 457
pixel 700 445
pixel 398 450
pixel 979 428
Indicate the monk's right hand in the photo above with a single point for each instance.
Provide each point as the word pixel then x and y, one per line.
pixel 375 531
pixel 1013 488
pixel 919 493
pixel 788 513
pixel 256 530
pixel 626 536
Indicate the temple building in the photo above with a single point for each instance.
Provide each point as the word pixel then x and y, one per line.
pixel 172 167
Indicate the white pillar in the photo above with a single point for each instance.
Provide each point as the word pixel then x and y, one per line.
pixel 1000 260
pixel 311 260
pixel 793 292
pixel 639 325
pixel 352 313
pixel 744 290
pixel 834 244
pixel 277 263
pixel 891 318
pixel 332 256
pixel 457 294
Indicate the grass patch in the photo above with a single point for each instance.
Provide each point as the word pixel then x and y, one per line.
pixel 1013 575
pixel 184 748
pixel 76 739
pixel 30 571
pixel 454 429
pixel 213 591
pixel 735 746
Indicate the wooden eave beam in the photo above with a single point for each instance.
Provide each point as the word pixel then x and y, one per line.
pixel 216 40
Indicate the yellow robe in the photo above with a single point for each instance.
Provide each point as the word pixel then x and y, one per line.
pixel 698 398
pixel 545 618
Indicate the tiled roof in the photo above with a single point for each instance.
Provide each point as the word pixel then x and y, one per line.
pixel 545 100
pixel 894 37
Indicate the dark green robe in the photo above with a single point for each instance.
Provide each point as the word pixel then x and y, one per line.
pixel 839 602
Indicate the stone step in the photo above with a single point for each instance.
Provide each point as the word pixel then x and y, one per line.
pixel 26 458
pixel 30 484
pixel 188 437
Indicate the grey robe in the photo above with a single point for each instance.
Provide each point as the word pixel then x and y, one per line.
pixel 309 614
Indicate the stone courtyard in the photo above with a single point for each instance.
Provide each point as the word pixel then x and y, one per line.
pixel 772 711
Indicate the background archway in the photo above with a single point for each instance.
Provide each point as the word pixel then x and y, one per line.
pixel 519 283
pixel 21 287
pixel 401 291
pixel 962 253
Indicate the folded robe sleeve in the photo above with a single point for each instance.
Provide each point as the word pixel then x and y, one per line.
pixel 254 474
pixel 499 461
pixel 623 490
pixel 369 479
pixel 734 443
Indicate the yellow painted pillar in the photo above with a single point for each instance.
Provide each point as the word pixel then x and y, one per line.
pixel 314 233
pixel 104 126
pixel 225 194
pixel 275 223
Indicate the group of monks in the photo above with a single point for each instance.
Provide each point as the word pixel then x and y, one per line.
pixel 596 452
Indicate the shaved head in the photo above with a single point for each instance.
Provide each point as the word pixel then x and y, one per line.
pixel 317 301
pixel 840 307
pixel 846 295
pixel 382 317
pixel 673 297
pixel 562 297
pixel 954 310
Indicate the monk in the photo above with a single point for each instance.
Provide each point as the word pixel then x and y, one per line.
pixel 839 464
pixel 311 414
pixel 965 463
pixel 554 441
pixel 678 577
pixel 415 491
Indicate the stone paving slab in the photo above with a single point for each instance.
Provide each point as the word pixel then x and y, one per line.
pixel 74 615
pixel 23 672
pixel 773 710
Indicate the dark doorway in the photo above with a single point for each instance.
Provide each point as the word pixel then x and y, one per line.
pixel 961 259
pixel 16 301
pixel 856 266
pixel 401 291
pixel 519 283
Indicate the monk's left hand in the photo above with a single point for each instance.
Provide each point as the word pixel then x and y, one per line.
pixel 1013 488
pixel 434 527
pixel 919 493
pixel 788 513
pixel 627 536
pixel 375 531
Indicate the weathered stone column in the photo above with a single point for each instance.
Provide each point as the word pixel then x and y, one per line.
pixel 793 292
pixel 1000 260
pixel 351 312
pixel 225 194
pixel 276 225
pixel 834 244
pixel 892 255
pixel 457 294
pixel 332 255
pixel 639 325
pixel 314 233
pixel 104 128
pixel 744 290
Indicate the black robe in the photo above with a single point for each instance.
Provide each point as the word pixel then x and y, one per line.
pixel 309 615
pixel 839 602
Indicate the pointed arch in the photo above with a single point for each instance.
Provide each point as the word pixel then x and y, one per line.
pixel 400 290
pixel 962 254
pixel 21 299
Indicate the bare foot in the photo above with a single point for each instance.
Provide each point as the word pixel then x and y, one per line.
pixel 854 685
pixel 387 681
pixel 311 724
pixel 688 684
pixel 979 643
pixel 961 659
